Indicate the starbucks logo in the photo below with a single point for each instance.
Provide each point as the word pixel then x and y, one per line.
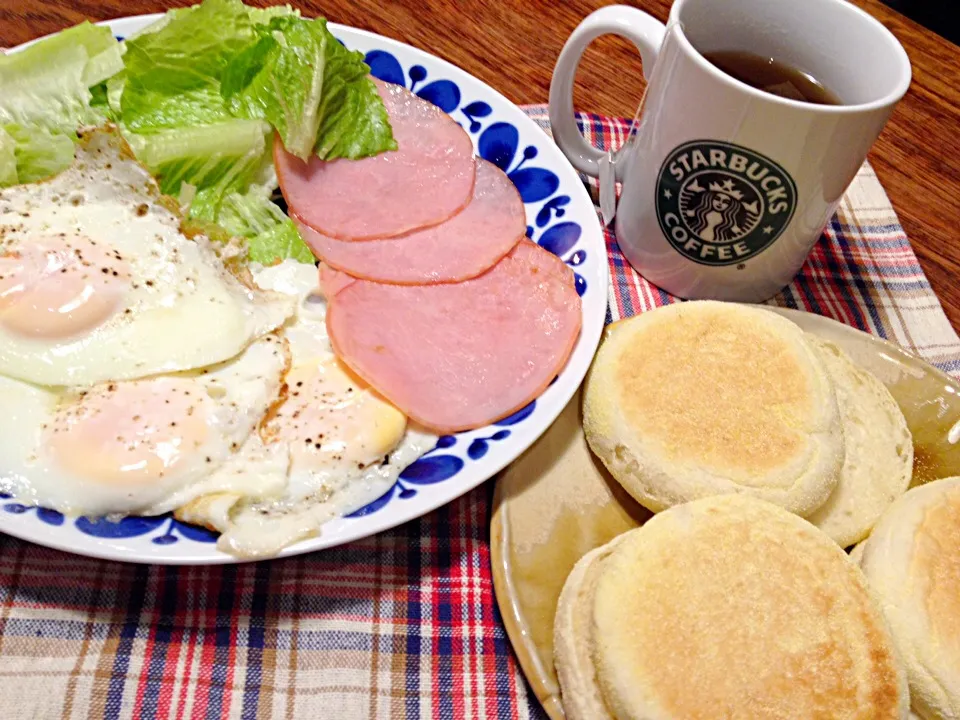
pixel 720 204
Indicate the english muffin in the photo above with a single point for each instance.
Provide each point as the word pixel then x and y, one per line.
pixel 912 562
pixel 856 553
pixel 878 457
pixel 724 607
pixel 706 398
pixel 582 696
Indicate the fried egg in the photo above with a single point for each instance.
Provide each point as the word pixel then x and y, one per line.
pixel 99 282
pixel 145 446
pixel 346 445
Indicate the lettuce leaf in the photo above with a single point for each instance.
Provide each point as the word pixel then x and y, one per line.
pixel 114 89
pixel 279 79
pixel 264 15
pixel 220 60
pixel 278 243
pixel 174 66
pixel 47 84
pixel 8 159
pixel 99 101
pixel 354 122
pixel 216 159
pixel 228 172
pixel 28 154
pixel 45 95
pixel 39 153
pixel 270 234
pixel 173 73
pixel 314 91
pixel 105 64
pixel 250 213
pixel 95 39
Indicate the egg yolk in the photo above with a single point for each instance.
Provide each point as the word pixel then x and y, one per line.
pixel 59 287
pixel 332 419
pixel 131 433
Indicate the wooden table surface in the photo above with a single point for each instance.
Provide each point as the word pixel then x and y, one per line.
pixel 513 44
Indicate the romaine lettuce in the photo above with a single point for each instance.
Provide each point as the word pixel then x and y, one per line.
pixel 230 153
pixel 264 15
pixel 45 94
pixel 313 90
pixel 222 60
pixel 228 170
pixel 114 90
pixel 353 120
pixel 173 74
pixel 279 78
pixel 270 234
pixel 8 159
pixel 39 153
pixel 47 84
pixel 280 242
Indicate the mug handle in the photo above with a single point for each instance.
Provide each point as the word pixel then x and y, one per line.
pixel 645 31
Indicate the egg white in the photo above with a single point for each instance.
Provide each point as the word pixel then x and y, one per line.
pixel 314 494
pixel 233 396
pixel 182 306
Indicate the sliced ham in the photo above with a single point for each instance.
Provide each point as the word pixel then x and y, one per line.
pixel 466 245
pixel 426 180
pixel 332 280
pixel 461 355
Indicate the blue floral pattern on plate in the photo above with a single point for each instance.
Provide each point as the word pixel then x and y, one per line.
pixel 45 515
pixel 165 529
pixel 172 530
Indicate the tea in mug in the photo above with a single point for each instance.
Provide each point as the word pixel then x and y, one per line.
pixel 772 76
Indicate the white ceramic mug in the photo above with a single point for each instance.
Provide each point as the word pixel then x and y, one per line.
pixel 726 188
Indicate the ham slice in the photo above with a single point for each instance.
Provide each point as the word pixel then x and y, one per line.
pixel 332 280
pixel 426 180
pixel 466 245
pixel 459 356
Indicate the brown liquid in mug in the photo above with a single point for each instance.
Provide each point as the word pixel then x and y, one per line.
pixel 772 76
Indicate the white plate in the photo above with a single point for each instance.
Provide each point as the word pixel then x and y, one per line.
pixel 560 216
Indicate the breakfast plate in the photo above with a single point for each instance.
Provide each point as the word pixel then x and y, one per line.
pixel 558 502
pixel 560 218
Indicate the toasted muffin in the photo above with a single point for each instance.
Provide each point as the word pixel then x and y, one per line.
pixel 725 607
pixel 878 459
pixel 707 398
pixel 912 562
pixel 856 553
pixel 573 654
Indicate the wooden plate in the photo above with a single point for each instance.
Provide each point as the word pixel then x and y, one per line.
pixel 557 501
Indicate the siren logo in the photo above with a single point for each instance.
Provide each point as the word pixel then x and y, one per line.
pixel 720 204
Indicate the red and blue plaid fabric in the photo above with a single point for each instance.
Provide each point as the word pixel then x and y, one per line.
pixel 402 625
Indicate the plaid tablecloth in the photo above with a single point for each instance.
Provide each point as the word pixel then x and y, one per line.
pixel 402 625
